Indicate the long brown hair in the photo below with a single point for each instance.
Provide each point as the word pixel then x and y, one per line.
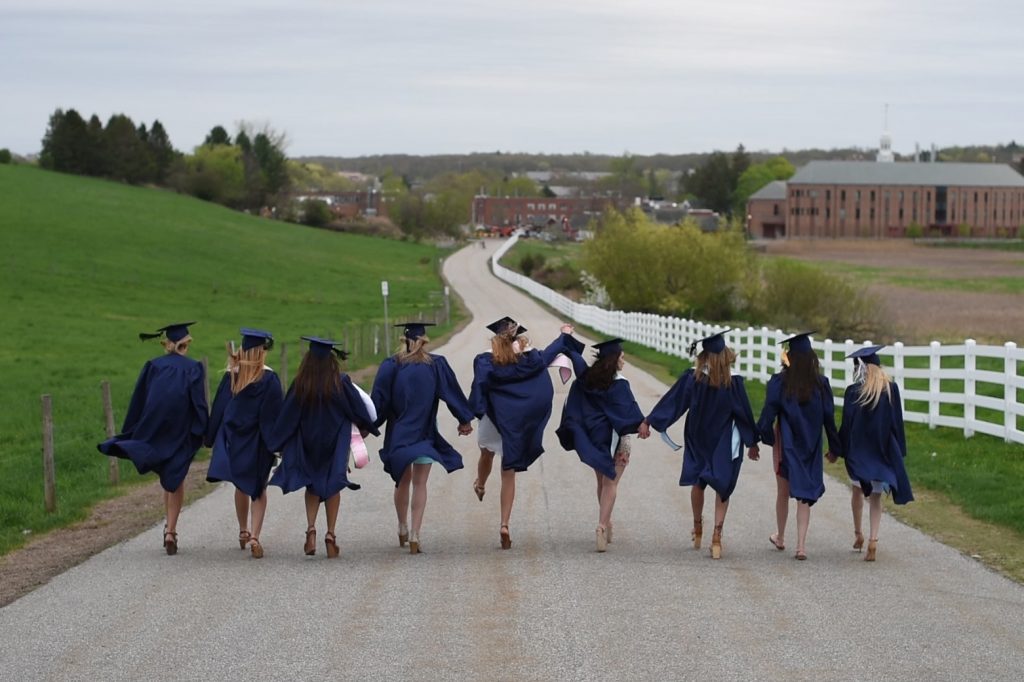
pixel 414 351
pixel 502 352
pixel 246 367
pixel 802 378
pixel 318 378
pixel 714 368
pixel 601 375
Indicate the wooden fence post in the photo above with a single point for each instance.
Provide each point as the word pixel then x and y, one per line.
pixel 206 380
pixel 970 366
pixel 114 471
pixel 284 366
pixel 1009 390
pixel 934 383
pixel 49 475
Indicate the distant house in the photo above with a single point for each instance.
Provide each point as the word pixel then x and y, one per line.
pixel 672 213
pixel 540 212
pixel 349 205
pixel 841 199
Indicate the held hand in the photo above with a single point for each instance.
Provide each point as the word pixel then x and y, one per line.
pixel 644 431
pixel 831 457
pixel 567 329
pixel 753 453
pixel 363 433
pixel 465 429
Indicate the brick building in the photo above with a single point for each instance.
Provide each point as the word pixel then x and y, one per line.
pixel 352 204
pixel 844 199
pixel 540 211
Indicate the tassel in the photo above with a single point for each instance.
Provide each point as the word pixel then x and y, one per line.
pixel 693 348
pixel 145 337
pixel 343 354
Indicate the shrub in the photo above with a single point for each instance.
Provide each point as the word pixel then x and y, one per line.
pixel 315 213
pixel 915 231
pixel 5 156
pixel 531 262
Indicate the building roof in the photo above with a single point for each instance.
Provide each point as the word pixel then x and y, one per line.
pixel 773 191
pixel 871 173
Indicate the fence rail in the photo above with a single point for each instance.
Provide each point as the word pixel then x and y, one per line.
pixel 966 386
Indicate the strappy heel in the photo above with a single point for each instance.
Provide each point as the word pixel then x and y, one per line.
pixel 310 546
pixel 872 548
pixel 479 490
pixel 858 540
pixel 403 534
pixel 602 538
pixel 505 536
pixel 716 543
pixel 414 543
pixel 777 542
pixel 243 538
pixel 331 543
pixel 698 532
pixel 170 546
pixel 255 548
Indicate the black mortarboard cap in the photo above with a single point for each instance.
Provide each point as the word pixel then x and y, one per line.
pixel 322 347
pixel 867 354
pixel 502 325
pixel 254 338
pixel 801 343
pixel 414 330
pixel 712 344
pixel 609 347
pixel 175 332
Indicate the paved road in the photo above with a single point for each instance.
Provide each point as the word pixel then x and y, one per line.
pixel 551 608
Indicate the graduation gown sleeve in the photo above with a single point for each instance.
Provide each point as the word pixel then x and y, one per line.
pixel 450 392
pixel 673 404
pixel 382 387
pixel 138 401
pixel 482 365
pixel 829 408
pixel 220 403
pixel 743 415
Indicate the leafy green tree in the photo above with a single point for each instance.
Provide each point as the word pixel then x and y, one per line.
pixel 757 176
pixel 315 212
pixel 214 173
pixel 217 136
pixel 714 184
pixel 5 156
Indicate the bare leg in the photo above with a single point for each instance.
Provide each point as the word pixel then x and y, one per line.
pixel 600 484
pixel 402 497
pixel 857 506
pixel 483 466
pixel 420 472
pixel 242 511
pixel 312 506
pixel 508 494
pixel 620 468
pixel 697 504
pixel 609 490
pixel 803 520
pixel 259 511
pixel 331 506
pixel 720 509
pixel 173 503
pixel 875 514
pixel 781 508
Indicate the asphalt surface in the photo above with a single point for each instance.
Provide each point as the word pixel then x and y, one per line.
pixel 549 608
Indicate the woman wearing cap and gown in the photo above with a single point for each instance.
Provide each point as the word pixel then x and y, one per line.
pixel 599 415
pixel 245 410
pixel 511 395
pixel 719 422
pixel 406 392
pixel 873 443
pixel 165 422
pixel 801 398
pixel 314 433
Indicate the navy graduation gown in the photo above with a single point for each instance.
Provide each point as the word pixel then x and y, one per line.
pixel 166 419
pixel 314 441
pixel 240 426
pixel 406 396
pixel 517 399
pixel 708 433
pixel 590 418
pixel 800 427
pixel 873 442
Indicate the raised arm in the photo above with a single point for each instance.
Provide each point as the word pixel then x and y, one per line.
pixel 673 404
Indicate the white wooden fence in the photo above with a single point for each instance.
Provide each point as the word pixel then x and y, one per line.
pixel 986 379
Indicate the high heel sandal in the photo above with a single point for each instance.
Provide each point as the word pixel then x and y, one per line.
pixel 243 538
pixel 505 536
pixel 872 548
pixel 403 534
pixel 310 547
pixel 608 533
pixel 800 555
pixel 414 544
pixel 716 543
pixel 331 543
pixel 776 542
pixel 698 532
pixel 479 490
pixel 602 539
pixel 170 546
pixel 255 548
pixel 858 541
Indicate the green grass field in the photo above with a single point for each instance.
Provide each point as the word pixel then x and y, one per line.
pixel 88 264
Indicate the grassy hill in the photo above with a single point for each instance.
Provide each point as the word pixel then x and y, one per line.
pixel 88 264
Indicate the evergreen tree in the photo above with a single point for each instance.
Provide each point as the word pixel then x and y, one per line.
pixel 161 152
pixel 127 155
pixel 65 143
pixel 217 136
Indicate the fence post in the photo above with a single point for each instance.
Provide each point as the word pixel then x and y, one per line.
pixel 114 473
pixel 49 475
pixel 1009 390
pixel 934 383
pixel 897 370
pixel 284 366
pixel 969 386
pixel 206 380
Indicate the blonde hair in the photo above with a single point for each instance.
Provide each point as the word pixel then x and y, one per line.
pixel 246 367
pixel 502 351
pixel 179 347
pixel 874 383
pixel 414 351
pixel 714 368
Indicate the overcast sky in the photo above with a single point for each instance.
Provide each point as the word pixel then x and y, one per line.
pixel 434 76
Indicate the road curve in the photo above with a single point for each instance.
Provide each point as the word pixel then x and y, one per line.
pixel 551 608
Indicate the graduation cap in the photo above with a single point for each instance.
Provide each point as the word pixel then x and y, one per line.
pixel 712 344
pixel 324 347
pixel 254 338
pixel 801 343
pixel 609 347
pixel 414 330
pixel 503 325
pixel 175 332
pixel 867 354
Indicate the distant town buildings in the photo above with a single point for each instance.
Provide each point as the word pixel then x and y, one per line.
pixel 351 204
pixel 541 212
